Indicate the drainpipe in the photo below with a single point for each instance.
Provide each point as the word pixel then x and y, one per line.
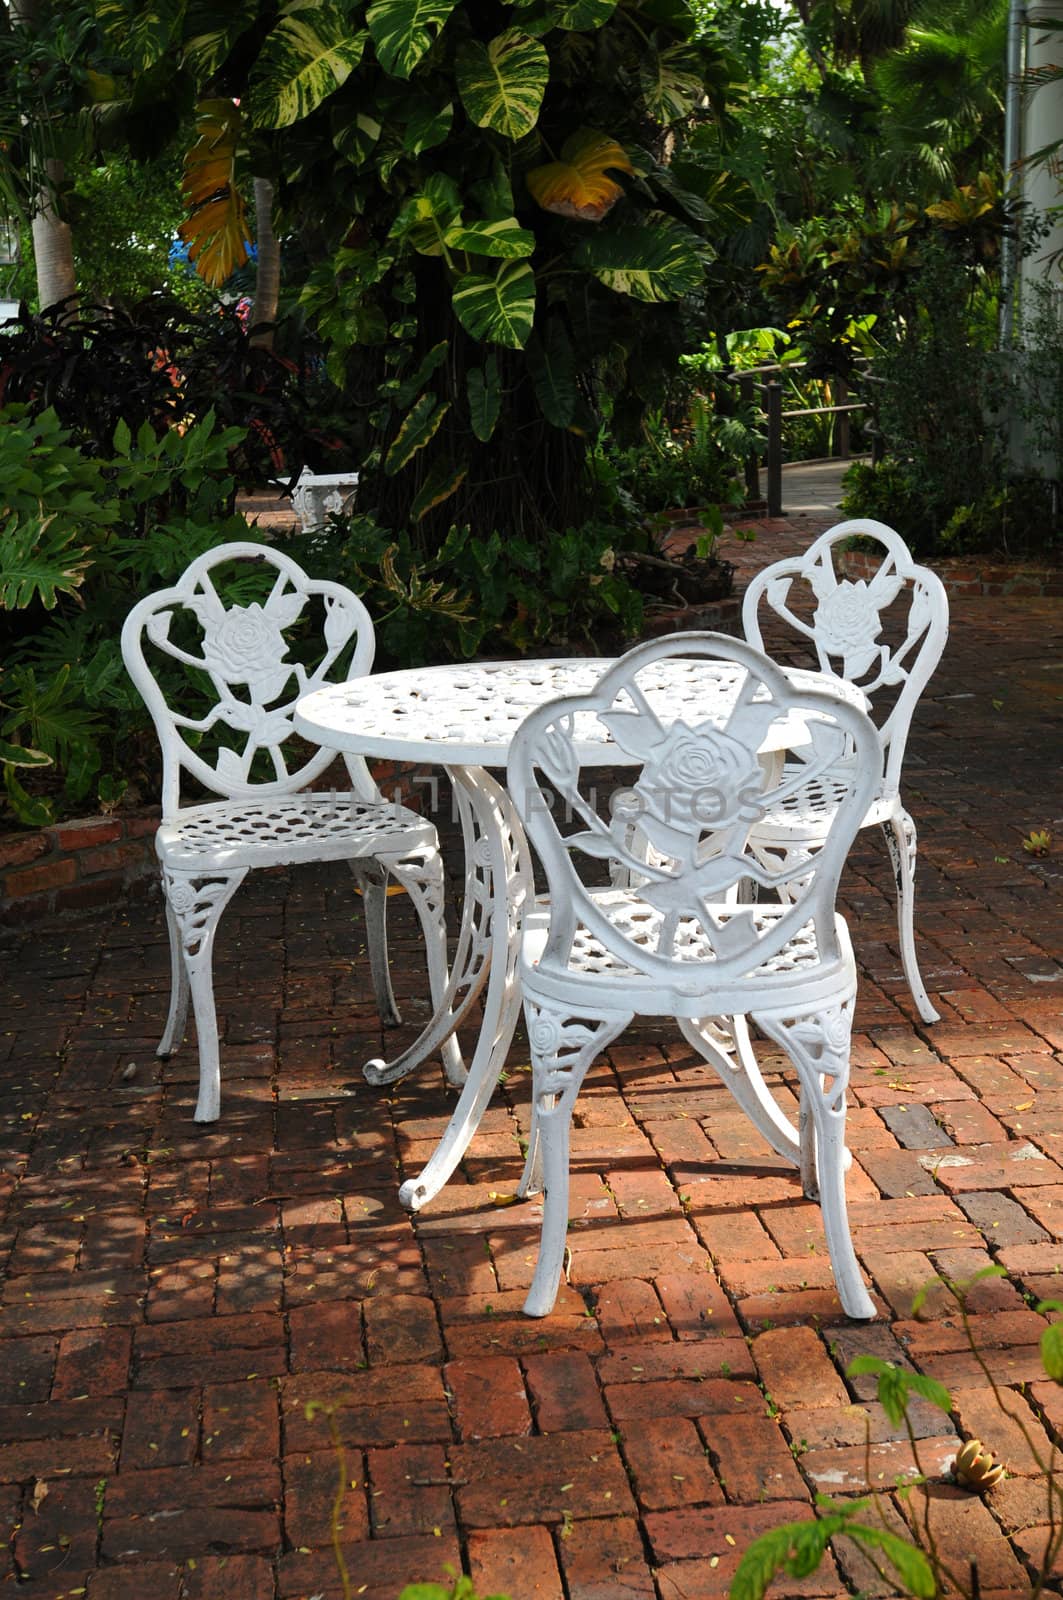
pixel 1013 110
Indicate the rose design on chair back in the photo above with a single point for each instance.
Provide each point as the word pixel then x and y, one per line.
pixel 697 781
pixel 244 645
pixel 848 622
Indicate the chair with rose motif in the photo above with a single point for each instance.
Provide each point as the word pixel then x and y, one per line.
pixel 885 633
pixel 669 933
pixel 237 640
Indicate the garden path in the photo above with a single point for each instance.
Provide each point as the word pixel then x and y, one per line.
pixel 174 1299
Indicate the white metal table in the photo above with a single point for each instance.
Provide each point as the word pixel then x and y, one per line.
pixel 463 718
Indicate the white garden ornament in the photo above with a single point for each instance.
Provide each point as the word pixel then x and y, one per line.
pixel 319 495
pixel 673 933
pixel 230 665
pixel 846 623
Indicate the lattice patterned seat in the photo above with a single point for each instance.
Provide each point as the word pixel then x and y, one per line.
pixel 674 934
pixel 886 636
pixel 270 833
pixel 636 923
pixel 233 664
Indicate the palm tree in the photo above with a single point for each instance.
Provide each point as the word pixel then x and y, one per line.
pixel 944 88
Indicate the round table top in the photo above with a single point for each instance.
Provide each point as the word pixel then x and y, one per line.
pixel 467 715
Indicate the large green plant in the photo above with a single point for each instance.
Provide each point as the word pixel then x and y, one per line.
pixel 81 539
pixel 493 207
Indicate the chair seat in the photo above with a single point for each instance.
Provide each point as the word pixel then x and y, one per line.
pixel 809 810
pixel 795 976
pixel 288 828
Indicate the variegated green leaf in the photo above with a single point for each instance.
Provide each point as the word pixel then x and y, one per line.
pixel 580 16
pixel 439 485
pixel 498 310
pixel 502 85
pixel 307 56
pixel 143 33
pixel 354 134
pixel 403 30
pixel 426 125
pixel 664 180
pixel 485 397
pixel 552 364
pixel 210 34
pixel 505 239
pixel 419 425
pixel 15 755
pixel 427 216
pixel 411 386
pixel 672 82
pixel 655 259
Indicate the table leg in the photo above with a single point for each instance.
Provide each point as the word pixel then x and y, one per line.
pixel 498 882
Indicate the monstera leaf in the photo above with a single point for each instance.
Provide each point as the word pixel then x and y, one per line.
pixel 216 227
pixel 419 425
pixel 577 185
pixel 502 85
pixel 498 310
pixel 657 259
pixel 306 57
pixel 403 30
pixel 672 83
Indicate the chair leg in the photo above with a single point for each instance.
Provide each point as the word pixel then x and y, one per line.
pixel 176 1020
pixel 562 1049
pixel 197 902
pixel 899 830
pixel 819 1047
pixel 372 879
pixel 423 879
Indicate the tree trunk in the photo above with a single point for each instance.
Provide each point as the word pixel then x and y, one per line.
pixel 53 243
pixel 268 273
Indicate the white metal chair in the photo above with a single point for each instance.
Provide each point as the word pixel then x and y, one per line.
pixel 229 665
pixel 670 934
pixel 849 625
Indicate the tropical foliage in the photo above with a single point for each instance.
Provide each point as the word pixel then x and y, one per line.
pixel 480 201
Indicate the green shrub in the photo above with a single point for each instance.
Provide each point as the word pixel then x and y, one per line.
pixel 82 538
pixel 696 462
pixel 475 594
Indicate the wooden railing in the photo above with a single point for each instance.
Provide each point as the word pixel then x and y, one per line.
pixel 749 383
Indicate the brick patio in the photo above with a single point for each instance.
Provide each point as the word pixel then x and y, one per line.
pixel 174 1299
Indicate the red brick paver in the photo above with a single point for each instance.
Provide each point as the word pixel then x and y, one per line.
pixel 220 1346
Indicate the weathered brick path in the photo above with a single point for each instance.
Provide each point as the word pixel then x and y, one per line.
pixel 174 1299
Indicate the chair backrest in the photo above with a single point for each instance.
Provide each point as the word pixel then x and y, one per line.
pixel 217 676
pixel 885 634
pixel 698 795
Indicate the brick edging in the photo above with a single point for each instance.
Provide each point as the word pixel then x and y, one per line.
pixel 970 575
pixel 73 865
